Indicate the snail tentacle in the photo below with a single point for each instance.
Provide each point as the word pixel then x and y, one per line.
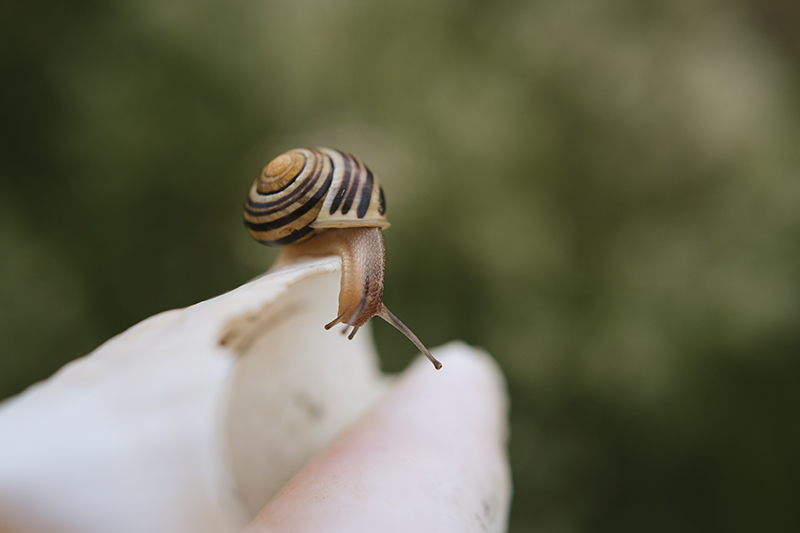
pixel 333 322
pixel 389 317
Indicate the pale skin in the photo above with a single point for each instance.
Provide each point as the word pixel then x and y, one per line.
pixel 362 251
pixel 429 457
pixel 165 427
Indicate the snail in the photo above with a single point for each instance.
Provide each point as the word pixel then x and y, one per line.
pixel 317 202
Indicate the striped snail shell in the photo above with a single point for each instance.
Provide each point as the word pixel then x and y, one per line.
pixel 317 202
pixel 310 189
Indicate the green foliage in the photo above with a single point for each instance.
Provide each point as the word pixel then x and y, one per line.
pixel 602 194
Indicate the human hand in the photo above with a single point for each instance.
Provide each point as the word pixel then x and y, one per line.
pixel 194 419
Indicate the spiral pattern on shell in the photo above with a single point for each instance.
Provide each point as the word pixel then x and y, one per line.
pixel 308 189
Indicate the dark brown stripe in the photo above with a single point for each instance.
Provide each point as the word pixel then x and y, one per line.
pixel 337 200
pixel 295 235
pixel 381 203
pixel 351 194
pixel 366 195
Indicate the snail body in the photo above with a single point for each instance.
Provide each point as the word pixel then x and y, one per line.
pixel 317 202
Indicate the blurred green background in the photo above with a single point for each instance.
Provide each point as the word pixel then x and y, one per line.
pixel 604 194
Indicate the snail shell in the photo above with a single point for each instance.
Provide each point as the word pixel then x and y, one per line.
pixel 310 189
pixel 316 202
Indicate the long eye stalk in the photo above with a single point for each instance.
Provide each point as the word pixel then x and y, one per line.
pixel 388 316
